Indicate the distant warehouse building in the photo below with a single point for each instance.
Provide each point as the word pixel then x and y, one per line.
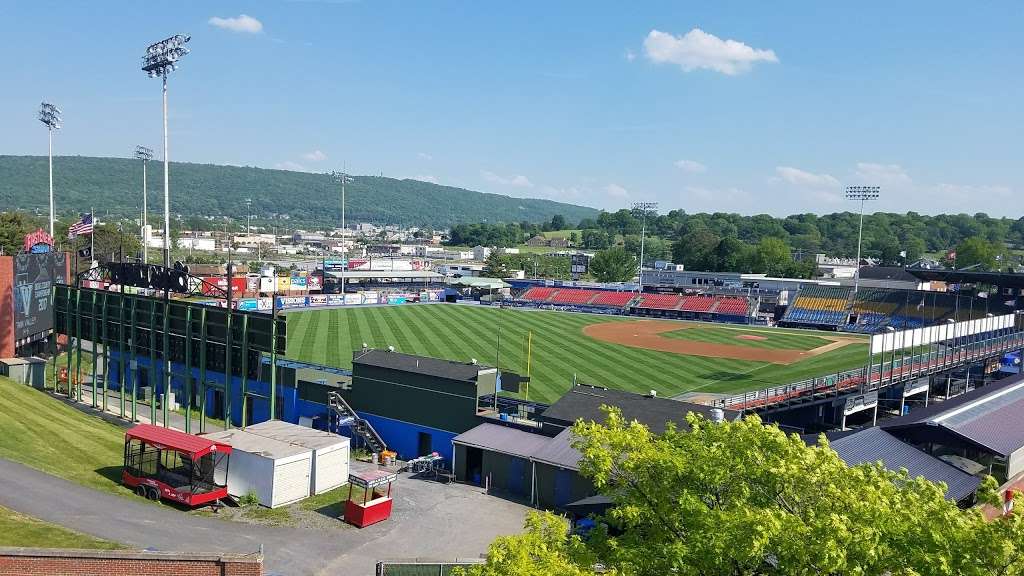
pixel 538 463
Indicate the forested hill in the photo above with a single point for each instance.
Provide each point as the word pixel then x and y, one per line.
pixel 113 185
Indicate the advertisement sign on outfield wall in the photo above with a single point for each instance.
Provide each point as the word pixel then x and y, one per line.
pixel 267 284
pixel 353 299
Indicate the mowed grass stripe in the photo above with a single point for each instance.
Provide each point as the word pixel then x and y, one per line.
pixel 420 330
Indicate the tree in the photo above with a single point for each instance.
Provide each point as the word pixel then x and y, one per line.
pixel 558 222
pixel 613 265
pixel 496 265
pixel 13 228
pixel 976 250
pixel 743 498
pixel 694 250
pixel 544 549
pixel 773 257
pixel 596 239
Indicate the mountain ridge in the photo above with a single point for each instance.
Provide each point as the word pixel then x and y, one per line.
pixel 113 186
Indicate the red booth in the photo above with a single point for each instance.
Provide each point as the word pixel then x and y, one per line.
pixel 376 504
pixel 164 463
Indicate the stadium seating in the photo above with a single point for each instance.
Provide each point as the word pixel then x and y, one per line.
pixel 732 306
pixel 660 301
pixel 538 294
pixel 698 303
pixel 617 299
pixel 572 296
pixel 820 306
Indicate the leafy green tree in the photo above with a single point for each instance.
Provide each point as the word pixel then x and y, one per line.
pixel 558 222
pixel 976 250
pixel 773 257
pixel 694 250
pixel 545 548
pixel 613 265
pixel 596 239
pixel 13 228
pixel 496 265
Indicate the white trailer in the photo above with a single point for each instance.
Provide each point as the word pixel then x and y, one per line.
pixel 278 472
pixel 330 451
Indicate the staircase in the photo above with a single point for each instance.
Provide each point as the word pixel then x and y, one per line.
pixel 343 415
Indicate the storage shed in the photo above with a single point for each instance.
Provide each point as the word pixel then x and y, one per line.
pixel 278 472
pixel 330 451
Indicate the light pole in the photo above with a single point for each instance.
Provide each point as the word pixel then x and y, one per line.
pixel 159 61
pixel 144 154
pixel 862 194
pixel 343 178
pixel 645 207
pixel 50 116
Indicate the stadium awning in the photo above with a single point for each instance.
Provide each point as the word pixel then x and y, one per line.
pixel 481 283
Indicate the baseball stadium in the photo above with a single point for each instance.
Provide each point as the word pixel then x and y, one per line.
pixel 682 359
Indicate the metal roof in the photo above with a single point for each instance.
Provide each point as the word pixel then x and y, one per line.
pixel 243 441
pixel 448 369
pixel 298 365
pixel 294 434
pixel 874 444
pixel 388 274
pixel 176 440
pixel 989 416
pixel 585 402
pixel 503 439
pixel 559 452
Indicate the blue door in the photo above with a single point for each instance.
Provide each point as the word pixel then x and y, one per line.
pixel 516 476
pixel 563 487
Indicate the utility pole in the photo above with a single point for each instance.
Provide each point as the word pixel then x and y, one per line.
pixel 343 178
pixel 645 207
pixel 860 193
pixel 144 154
pixel 50 116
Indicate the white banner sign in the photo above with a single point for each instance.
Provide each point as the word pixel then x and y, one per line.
pixel 921 336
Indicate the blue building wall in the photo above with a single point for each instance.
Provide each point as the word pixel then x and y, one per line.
pixel 402 437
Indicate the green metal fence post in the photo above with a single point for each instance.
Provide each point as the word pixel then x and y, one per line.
pixel 78 344
pixel 106 352
pixel 122 352
pixel 167 356
pixel 273 356
pixel 152 361
pixel 245 369
pixel 188 369
pixel 95 343
pixel 228 373
pixel 202 370
pixel 135 357
pixel 67 336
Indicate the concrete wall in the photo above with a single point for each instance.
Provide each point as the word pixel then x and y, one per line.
pixel 51 562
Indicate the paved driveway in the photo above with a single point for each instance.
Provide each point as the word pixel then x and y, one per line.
pixel 429 520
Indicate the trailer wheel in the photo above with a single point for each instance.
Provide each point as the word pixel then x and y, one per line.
pixel 153 494
pixel 141 491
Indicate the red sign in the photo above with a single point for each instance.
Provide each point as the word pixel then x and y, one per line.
pixel 36 238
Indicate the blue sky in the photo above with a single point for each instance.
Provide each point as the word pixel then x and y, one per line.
pixel 720 106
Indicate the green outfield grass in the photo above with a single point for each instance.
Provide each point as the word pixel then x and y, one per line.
pixel 24 531
pixel 774 339
pixel 559 351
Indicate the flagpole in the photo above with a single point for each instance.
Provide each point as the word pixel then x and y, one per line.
pixel 92 237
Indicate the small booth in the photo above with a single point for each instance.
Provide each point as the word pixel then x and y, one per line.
pixel 278 472
pixel 164 463
pixel 376 503
pixel 330 451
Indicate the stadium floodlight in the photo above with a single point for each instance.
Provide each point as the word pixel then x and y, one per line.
pixel 248 217
pixel 50 115
pixel 160 60
pixel 861 194
pixel 144 154
pixel 645 207
pixel 342 178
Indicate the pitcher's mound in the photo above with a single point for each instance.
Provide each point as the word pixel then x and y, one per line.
pixel 750 337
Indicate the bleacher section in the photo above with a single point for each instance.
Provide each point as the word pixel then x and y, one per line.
pixel 704 307
pixel 819 306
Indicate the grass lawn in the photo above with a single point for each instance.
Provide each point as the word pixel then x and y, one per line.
pixel 561 234
pixel 332 502
pixel 773 339
pixel 20 530
pixel 44 433
pixel 559 349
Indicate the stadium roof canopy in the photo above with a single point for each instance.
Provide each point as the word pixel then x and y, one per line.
pixel 988 418
pixel 1004 279
pixel 447 369
pixel 387 275
pixel 874 444
pixel 480 282
pixel 585 402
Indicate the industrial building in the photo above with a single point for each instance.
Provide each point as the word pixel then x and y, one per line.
pixel 536 461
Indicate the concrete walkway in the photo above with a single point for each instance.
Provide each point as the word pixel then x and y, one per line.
pixel 429 521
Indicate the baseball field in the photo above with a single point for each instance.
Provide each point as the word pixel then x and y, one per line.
pixel 627 353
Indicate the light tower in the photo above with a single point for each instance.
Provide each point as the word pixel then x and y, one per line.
pixel 50 116
pixel 248 217
pixel 160 60
pixel 861 194
pixel 144 154
pixel 343 179
pixel 645 207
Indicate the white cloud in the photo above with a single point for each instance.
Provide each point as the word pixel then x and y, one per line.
pixel 798 177
pixel 289 165
pixel 426 178
pixel 517 180
pixel 315 156
pixel 691 166
pixel 883 174
pixel 630 55
pixel 424 156
pixel 699 50
pixel 241 23
pixel 561 194
pixel 616 191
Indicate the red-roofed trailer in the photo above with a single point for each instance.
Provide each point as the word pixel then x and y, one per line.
pixel 164 463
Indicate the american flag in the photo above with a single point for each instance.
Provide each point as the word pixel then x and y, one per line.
pixel 82 227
